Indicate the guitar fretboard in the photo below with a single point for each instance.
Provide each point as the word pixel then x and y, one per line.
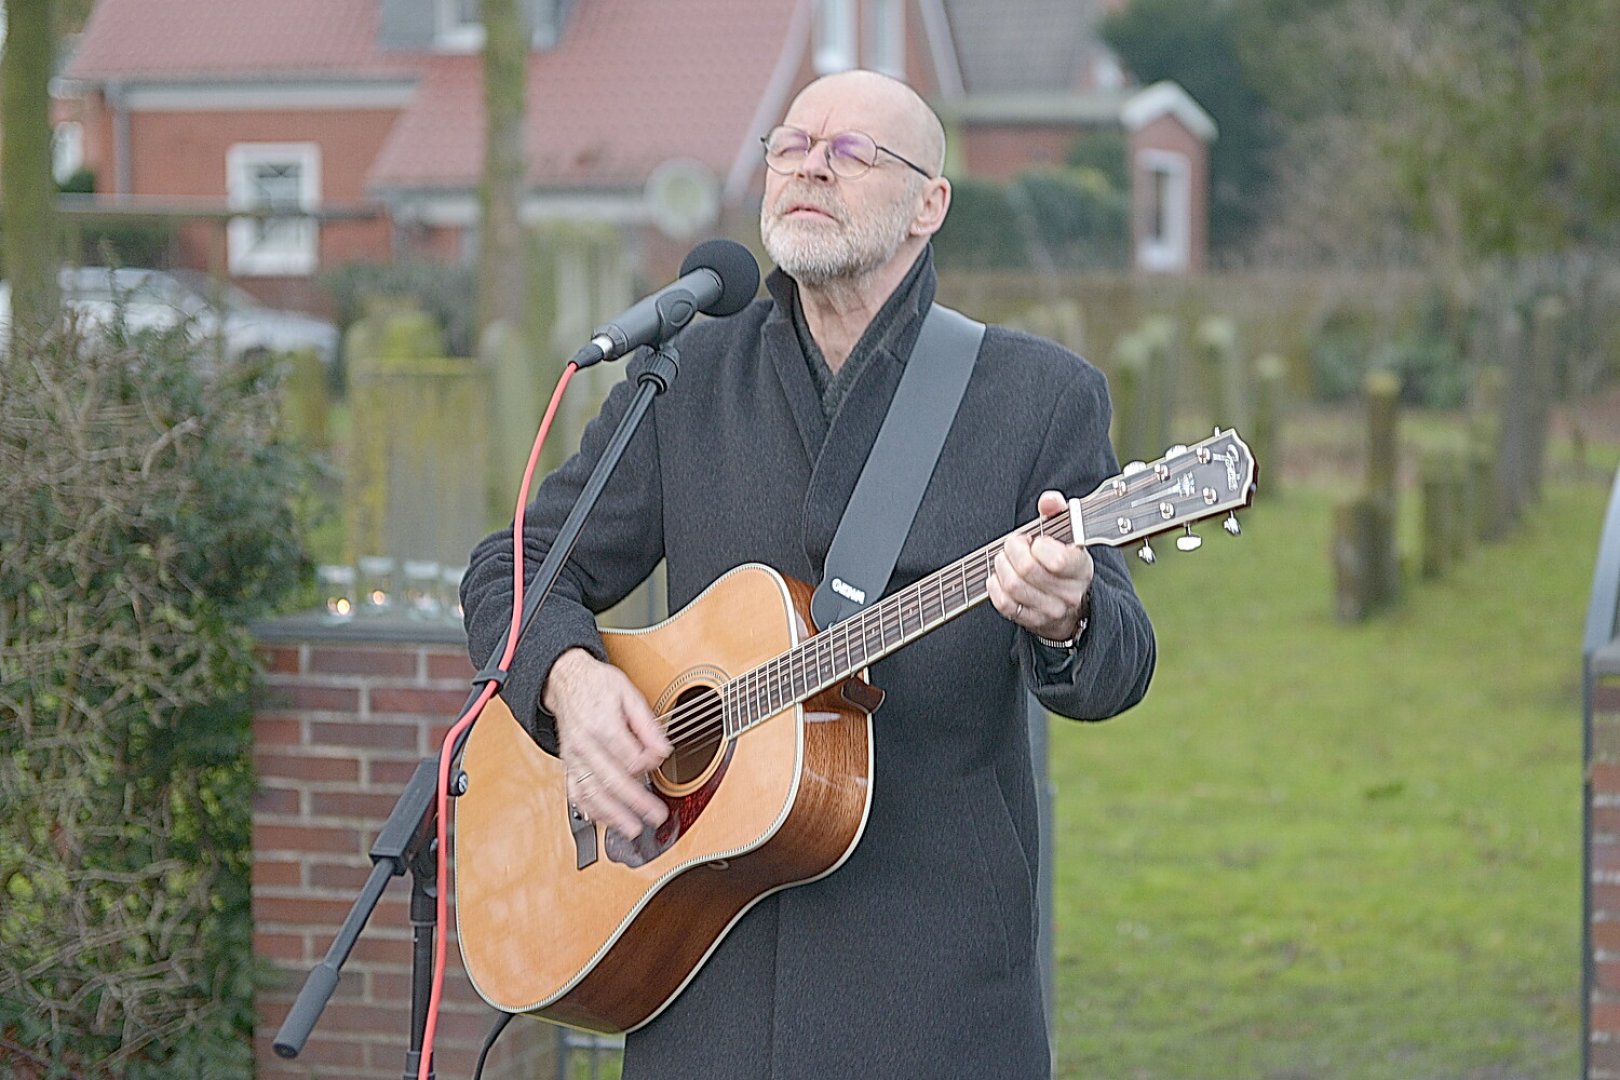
pixel 840 651
pixel 1186 485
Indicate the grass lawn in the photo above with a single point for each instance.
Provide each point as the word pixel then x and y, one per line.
pixel 1333 851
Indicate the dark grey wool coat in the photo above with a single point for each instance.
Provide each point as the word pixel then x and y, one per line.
pixel 914 959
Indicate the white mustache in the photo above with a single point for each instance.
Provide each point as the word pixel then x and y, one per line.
pixel 810 198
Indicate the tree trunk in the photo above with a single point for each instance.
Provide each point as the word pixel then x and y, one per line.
pixel 32 244
pixel 502 264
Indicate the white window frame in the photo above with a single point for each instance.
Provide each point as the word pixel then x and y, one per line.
pixel 297 250
pixel 67 150
pixel 1171 250
pixel 453 31
pixel 835 36
pixel 886 37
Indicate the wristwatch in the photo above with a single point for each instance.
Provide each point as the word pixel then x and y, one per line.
pixel 1085 620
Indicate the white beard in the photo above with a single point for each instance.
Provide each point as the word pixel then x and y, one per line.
pixel 815 252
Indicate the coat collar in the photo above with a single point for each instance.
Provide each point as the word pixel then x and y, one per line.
pixel 839 451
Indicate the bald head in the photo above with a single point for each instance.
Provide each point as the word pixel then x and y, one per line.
pixel 883 107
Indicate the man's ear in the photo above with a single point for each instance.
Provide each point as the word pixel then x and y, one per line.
pixel 936 200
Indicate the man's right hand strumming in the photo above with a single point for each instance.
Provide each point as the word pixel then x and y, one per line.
pixel 608 740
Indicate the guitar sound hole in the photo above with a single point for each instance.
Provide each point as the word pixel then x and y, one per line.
pixel 696 731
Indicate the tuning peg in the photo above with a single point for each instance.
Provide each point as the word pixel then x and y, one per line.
pixel 1176 450
pixel 1145 553
pixel 1191 541
pixel 1133 467
pixel 1231 524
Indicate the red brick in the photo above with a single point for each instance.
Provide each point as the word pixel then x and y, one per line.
pixel 1608 975
pixel 1606 696
pixel 1606 820
pixel 390 774
pixel 1606 778
pixel 1605 856
pixel 1606 936
pixel 1606 1017
pixel 278 731
pixel 321 1050
pixel 280 946
pixel 378 734
pixel 278 659
pixel 305 697
pixel 347 1016
pixel 449 666
pixel 277 872
pixel 276 800
pixel 347 877
pixel 300 910
pixel 417 701
pixel 466 1027
pixel 352 804
pixel 1605 1060
pixel 388 987
pixel 337 660
pixel 302 838
pixel 387 946
pixel 1606 899
pixel 306 767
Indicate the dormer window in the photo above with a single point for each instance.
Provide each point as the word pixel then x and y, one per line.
pixel 460 25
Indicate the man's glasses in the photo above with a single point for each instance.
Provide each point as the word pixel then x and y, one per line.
pixel 850 154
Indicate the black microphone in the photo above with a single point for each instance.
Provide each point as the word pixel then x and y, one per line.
pixel 719 277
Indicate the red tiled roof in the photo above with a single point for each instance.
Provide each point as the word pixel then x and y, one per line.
pixel 185 39
pixel 633 83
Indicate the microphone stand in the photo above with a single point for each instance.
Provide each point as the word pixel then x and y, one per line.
pixel 408 840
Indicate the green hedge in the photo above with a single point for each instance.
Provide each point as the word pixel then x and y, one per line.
pixel 1073 218
pixel 147 511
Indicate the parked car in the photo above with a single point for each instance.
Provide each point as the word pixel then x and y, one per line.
pixel 210 309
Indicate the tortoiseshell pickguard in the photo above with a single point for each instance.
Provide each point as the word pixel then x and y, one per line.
pixel 683 811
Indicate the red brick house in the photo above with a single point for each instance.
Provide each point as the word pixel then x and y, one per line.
pixel 366 115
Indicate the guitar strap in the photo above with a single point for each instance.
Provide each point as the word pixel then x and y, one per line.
pixel 890 489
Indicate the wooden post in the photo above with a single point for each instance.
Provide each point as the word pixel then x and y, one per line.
pixel 1216 345
pixel 1383 391
pixel 1271 375
pixel 1131 361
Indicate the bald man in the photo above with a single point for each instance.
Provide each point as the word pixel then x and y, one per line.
pixel 916 957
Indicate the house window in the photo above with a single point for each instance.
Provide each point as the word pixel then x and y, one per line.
pixel 886 37
pixel 1165 242
pixel 460 25
pixel 283 178
pixel 835 36
pixel 67 150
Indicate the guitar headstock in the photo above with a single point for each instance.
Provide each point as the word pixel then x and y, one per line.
pixel 1187 485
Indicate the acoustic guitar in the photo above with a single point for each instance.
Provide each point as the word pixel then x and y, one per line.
pixel 768 784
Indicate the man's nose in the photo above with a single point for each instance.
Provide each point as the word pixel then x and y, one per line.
pixel 816 163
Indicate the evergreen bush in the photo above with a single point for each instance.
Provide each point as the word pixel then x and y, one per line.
pixel 147 512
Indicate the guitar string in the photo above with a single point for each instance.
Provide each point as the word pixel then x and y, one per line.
pixel 697 720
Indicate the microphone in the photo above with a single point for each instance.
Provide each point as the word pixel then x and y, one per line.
pixel 719 277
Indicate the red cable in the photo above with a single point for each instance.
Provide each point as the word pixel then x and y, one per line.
pixel 471 714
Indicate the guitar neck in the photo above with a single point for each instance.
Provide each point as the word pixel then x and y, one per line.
pixel 1188 484
pixel 833 655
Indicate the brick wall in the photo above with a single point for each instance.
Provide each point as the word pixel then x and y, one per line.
pixel 1603 856
pixel 345 714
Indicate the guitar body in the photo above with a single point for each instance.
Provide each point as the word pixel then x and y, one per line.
pixel 580 926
